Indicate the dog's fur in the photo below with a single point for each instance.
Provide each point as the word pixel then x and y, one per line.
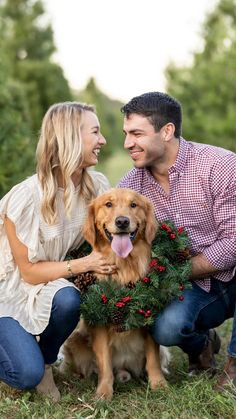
pixel 102 349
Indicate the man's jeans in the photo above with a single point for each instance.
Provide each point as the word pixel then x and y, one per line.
pixel 186 323
pixel 22 358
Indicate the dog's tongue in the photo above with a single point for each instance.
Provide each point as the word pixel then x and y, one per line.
pixel 121 245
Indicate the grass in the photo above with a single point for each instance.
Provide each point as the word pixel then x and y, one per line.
pixel 185 398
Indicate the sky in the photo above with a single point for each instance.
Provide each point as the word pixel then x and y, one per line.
pixel 124 44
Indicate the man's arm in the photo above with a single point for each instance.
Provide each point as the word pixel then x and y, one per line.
pixel 201 268
pixel 221 254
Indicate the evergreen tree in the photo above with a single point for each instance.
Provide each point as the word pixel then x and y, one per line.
pixel 29 82
pixel 27 35
pixel 16 150
pixel 28 38
pixel 206 89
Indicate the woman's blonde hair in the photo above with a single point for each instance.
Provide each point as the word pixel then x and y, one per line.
pixel 60 153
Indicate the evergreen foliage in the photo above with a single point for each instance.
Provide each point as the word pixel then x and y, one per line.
pixel 29 81
pixel 16 150
pixel 206 88
pixel 106 302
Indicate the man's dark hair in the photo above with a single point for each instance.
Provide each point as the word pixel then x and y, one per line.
pixel 158 107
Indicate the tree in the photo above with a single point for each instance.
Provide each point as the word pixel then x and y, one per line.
pixel 28 39
pixel 29 81
pixel 16 151
pixel 206 89
pixel 27 35
pixel 44 84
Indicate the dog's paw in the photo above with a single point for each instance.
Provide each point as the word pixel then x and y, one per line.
pixel 158 382
pixel 123 376
pixel 104 391
pixel 165 358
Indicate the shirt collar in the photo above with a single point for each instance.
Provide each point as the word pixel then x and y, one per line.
pixel 181 160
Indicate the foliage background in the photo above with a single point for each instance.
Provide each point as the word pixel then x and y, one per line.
pixel 206 88
pixel 30 81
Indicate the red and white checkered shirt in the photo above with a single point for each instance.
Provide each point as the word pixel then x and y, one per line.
pixel 202 199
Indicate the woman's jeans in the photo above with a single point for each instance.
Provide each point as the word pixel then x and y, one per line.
pixel 186 323
pixel 22 358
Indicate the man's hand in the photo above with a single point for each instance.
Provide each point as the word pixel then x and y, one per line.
pixel 201 268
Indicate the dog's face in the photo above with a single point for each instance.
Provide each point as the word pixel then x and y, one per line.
pixel 120 217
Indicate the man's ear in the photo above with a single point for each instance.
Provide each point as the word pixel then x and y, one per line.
pixel 168 131
pixel 89 230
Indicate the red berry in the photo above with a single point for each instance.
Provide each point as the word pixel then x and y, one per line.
pixel 141 311
pixel 120 304
pixel 153 263
pixel 126 299
pixel 161 268
pixel 104 298
pixel 181 298
pixel 166 228
pixel 148 313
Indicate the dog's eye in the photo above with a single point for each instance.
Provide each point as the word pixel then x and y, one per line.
pixel 108 204
pixel 133 205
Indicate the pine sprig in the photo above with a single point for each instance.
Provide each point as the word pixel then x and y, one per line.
pixel 136 305
pixel 84 250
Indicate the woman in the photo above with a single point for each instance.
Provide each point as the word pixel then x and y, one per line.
pixel 40 220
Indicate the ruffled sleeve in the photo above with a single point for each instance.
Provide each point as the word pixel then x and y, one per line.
pixel 100 181
pixel 19 206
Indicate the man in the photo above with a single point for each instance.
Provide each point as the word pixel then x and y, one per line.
pixel 193 185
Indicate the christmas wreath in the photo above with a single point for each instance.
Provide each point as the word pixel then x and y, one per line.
pixel 137 304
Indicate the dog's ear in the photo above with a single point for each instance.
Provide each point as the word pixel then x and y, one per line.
pixel 151 224
pixel 89 230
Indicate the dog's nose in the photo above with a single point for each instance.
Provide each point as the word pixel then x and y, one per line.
pixel 122 222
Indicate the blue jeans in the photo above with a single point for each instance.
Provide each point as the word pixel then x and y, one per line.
pixel 186 323
pixel 22 358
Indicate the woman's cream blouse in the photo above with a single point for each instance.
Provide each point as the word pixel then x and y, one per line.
pixel 30 304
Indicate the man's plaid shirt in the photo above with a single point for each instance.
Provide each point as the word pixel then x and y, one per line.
pixel 202 199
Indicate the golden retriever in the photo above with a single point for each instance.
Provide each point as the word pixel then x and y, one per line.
pixel 121 225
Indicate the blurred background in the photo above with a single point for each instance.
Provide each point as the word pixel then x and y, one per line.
pixel 105 52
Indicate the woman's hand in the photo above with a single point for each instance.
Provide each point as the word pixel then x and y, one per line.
pixel 94 262
pixel 45 271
